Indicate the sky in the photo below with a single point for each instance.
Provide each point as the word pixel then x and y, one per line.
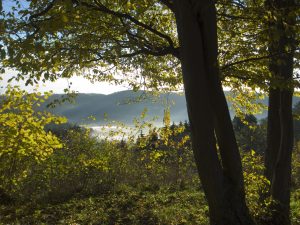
pixel 79 84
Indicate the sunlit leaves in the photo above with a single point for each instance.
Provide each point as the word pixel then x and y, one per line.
pixel 110 44
pixel 256 184
pixel 245 35
pixel 23 138
pixel 125 41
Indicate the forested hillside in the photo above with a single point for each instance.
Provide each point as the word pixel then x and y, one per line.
pixel 121 106
pixel 126 105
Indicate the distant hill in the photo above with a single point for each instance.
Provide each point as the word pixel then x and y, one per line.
pixel 123 106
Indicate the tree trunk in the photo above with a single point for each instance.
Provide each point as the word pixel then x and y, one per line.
pixel 208 113
pixel 281 182
pixel 273 132
pixel 280 122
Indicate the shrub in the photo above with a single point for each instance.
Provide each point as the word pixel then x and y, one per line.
pixel 23 140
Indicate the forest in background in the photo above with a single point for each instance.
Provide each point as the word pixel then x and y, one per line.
pixel 124 107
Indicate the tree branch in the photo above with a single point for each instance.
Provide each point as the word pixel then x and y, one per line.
pixel 160 52
pixel 169 4
pixel 234 17
pixel 147 49
pixel 226 66
pixel 251 59
pixel 43 12
pixel 100 7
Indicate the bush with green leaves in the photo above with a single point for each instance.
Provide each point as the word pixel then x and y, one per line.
pixel 81 166
pixel 23 139
pixel 86 165
pixel 256 184
pixel 296 166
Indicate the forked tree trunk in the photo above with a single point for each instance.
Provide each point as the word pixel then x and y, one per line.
pixel 208 112
pixel 234 184
pixel 280 120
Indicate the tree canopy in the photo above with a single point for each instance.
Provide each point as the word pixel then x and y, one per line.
pixel 131 41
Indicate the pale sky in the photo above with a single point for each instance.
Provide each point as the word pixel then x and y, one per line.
pixel 79 84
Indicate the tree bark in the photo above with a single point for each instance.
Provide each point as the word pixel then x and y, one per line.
pixel 208 113
pixel 280 122
pixel 199 108
pixel 230 156
pixel 281 181
pixel 273 131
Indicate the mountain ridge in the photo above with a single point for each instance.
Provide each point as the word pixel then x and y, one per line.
pixel 126 105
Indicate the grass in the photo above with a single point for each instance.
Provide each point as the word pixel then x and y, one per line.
pixel 128 206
